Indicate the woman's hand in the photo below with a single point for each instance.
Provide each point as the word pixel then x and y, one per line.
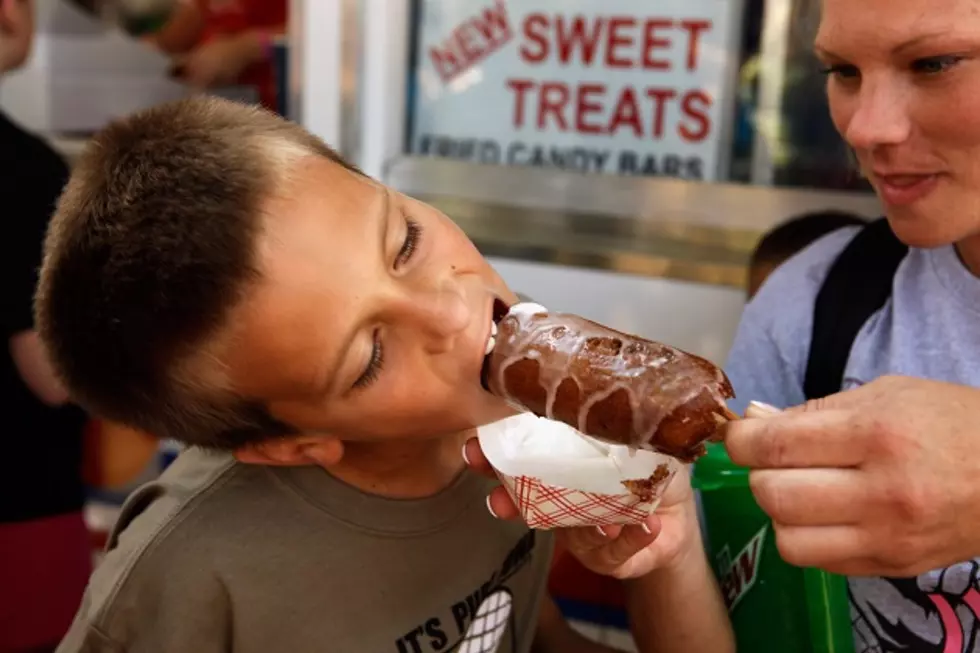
pixel 877 481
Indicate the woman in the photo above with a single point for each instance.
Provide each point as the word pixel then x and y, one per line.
pixel 903 84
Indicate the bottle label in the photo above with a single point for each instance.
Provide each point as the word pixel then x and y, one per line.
pixel 738 575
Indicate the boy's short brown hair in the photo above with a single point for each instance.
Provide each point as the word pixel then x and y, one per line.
pixel 151 247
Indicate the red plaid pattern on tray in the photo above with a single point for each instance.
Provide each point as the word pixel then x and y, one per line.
pixel 546 506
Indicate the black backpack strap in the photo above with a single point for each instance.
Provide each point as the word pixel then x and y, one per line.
pixel 858 285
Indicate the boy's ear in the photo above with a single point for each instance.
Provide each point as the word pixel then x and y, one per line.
pixel 320 450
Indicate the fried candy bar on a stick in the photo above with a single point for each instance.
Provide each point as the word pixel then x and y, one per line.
pixel 606 384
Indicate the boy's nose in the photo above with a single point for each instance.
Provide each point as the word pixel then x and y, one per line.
pixel 440 314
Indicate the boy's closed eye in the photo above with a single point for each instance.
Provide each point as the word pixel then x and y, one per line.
pixel 375 364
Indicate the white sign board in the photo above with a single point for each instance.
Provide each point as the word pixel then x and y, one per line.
pixel 611 86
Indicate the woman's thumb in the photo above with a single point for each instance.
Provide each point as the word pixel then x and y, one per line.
pixel 758 409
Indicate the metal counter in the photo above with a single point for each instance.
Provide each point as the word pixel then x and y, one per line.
pixel 630 245
pixel 689 231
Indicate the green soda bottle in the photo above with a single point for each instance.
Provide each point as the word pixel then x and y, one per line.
pixel 773 605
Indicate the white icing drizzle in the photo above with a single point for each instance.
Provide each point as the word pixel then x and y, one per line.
pixel 657 378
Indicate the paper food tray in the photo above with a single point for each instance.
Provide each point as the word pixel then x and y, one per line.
pixel 561 478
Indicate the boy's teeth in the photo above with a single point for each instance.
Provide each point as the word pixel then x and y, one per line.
pixel 493 328
pixel 490 345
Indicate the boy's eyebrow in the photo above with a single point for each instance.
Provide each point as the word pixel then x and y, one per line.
pixel 333 371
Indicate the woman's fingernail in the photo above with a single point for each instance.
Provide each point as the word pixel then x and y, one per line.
pixel 760 409
pixel 465 458
pixel 490 508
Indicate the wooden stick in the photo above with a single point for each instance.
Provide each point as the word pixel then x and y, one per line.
pixel 731 416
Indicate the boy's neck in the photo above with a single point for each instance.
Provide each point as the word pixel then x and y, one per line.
pixel 402 470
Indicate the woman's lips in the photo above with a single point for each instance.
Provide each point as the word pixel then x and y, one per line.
pixel 904 189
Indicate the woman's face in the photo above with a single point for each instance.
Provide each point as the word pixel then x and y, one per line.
pixel 904 92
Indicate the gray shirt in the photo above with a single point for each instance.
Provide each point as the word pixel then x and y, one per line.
pixel 929 328
pixel 221 556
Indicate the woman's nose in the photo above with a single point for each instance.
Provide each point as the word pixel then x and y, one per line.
pixel 880 117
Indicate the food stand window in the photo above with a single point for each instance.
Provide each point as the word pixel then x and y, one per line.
pixel 581 86
pixel 704 90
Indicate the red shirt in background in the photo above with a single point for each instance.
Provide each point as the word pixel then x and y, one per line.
pixel 229 17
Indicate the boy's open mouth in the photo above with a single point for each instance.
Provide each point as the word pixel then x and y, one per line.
pixel 500 309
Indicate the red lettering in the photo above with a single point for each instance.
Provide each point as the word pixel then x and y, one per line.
pixel 652 42
pixel 574 36
pixel 519 86
pixel 471 52
pixel 445 62
pixel 660 96
pixel 493 23
pixel 555 107
pixel 471 41
pixel 694 29
pixel 578 39
pixel 728 589
pixel 695 106
pixel 587 108
pixel 616 40
pixel 627 113
pixel 746 562
pixel 534 27
pixel 735 586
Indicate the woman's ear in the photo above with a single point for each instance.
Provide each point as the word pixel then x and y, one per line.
pixel 319 450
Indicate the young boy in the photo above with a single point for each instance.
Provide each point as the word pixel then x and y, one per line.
pixel 217 275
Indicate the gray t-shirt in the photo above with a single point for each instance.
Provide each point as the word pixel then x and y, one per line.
pixel 929 328
pixel 221 556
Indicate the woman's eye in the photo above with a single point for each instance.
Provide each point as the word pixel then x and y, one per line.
pixel 374 365
pixel 413 235
pixel 935 65
pixel 841 71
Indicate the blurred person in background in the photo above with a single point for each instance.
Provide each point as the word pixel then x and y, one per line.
pixel 791 237
pixel 45 557
pixel 219 43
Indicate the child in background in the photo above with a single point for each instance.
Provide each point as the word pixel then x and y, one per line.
pixel 225 42
pixel 791 237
